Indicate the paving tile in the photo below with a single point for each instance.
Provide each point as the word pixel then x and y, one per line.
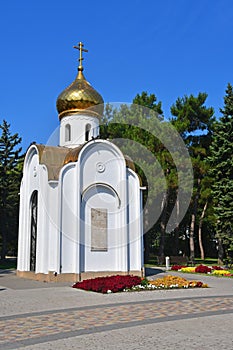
pixel 37 326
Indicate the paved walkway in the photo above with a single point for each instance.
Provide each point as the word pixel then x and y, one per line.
pixel 37 315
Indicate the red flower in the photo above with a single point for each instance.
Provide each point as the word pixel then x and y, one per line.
pixel 177 267
pixel 202 269
pixel 199 284
pixel 217 268
pixel 103 284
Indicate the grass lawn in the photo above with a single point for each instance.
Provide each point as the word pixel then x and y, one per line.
pixel 207 261
pixel 8 264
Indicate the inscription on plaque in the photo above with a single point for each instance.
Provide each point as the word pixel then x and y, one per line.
pixel 99 227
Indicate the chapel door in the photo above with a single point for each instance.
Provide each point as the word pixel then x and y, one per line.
pixel 34 200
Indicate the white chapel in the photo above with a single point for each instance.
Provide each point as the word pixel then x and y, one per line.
pixel 80 201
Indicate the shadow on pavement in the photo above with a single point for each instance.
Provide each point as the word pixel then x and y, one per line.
pixel 6 272
pixel 150 271
pixel 12 281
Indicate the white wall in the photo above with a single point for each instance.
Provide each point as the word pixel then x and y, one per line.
pixel 35 178
pixel 53 227
pixel 78 126
pixel 30 182
pixel 135 222
pixel 99 179
pixel 102 164
pixel 69 220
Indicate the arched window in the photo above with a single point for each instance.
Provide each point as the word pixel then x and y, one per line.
pixel 67 132
pixel 33 210
pixel 87 132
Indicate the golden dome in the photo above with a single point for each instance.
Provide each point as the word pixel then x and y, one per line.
pixel 80 95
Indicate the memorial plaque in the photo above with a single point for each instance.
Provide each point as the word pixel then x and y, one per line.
pixel 99 223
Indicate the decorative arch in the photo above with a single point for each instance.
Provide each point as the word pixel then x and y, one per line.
pixel 101 184
pixel 33 229
pixel 30 154
pixel 99 221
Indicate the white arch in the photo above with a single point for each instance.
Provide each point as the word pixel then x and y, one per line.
pixel 100 184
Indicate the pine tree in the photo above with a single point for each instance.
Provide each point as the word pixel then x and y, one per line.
pixel 221 162
pixel 149 101
pixel 131 128
pixel 142 124
pixel 10 174
pixel 194 121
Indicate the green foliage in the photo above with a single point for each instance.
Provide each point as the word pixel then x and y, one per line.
pixel 221 162
pixel 144 282
pixel 133 128
pixel 129 127
pixel 10 174
pixel 149 101
pixel 143 135
pixel 194 121
pixel 8 264
pixel 191 115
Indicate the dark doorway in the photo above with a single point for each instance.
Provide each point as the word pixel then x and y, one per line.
pixel 33 204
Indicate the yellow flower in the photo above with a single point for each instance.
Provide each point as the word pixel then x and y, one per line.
pixel 174 282
pixel 188 269
pixel 221 273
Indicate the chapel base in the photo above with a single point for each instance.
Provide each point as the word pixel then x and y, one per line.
pixel 73 277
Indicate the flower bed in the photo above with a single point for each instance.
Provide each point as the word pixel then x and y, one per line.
pixel 176 267
pixel 113 284
pixel 221 273
pixel 108 284
pixel 188 269
pixel 214 270
pixel 203 269
pixel 217 268
pixel 169 282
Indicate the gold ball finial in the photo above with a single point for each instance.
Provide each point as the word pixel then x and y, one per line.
pixel 81 50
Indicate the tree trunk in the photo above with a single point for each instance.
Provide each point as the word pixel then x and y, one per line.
pixel 163 224
pixel 146 241
pixel 220 252
pixel 200 231
pixel 193 220
pixel 176 231
pixel 175 246
pixel 162 240
pixel 191 237
pixel 3 233
pixel 3 252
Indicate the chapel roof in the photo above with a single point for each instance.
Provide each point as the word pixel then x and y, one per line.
pixel 73 154
pixel 54 158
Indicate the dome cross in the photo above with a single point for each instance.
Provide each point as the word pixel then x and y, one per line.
pixel 81 50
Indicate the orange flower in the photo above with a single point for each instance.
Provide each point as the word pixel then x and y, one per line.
pixel 175 282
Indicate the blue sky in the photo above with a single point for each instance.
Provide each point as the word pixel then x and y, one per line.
pixel 166 47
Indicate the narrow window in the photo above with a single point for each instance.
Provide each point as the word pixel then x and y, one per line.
pixel 67 132
pixel 87 132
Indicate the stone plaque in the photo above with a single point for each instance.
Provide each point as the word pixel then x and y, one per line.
pixel 99 223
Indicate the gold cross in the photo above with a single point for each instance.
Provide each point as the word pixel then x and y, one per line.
pixel 81 50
